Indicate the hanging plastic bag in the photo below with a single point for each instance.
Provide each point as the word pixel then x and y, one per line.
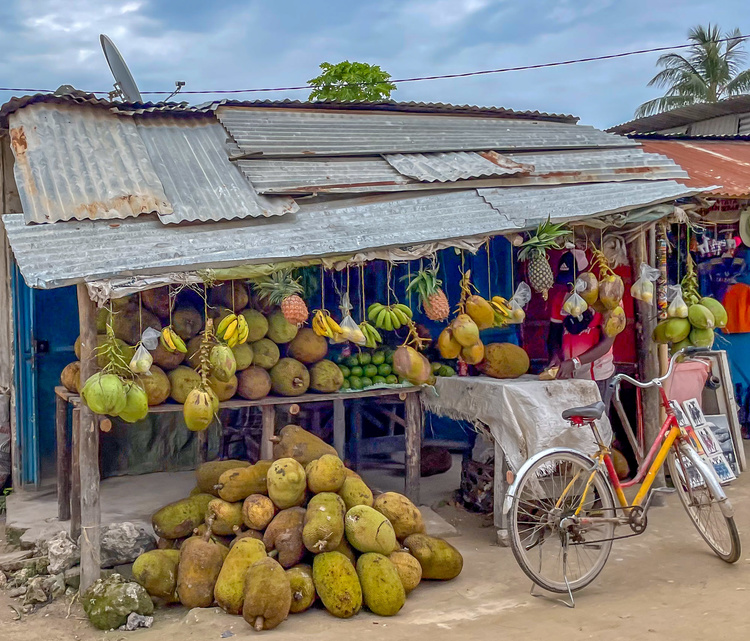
pixel 351 332
pixel 517 302
pixel 150 338
pixel 574 305
pixel 677 307
pixel 643 288
pixel 141 361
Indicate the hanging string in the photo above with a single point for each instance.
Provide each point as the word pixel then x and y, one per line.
pixel 679 251
pixel 362 291
pixel 489 270
pixel 388 283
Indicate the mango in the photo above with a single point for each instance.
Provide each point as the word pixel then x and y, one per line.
pixel 369 531
pixel 324 523
pixel 284 535
pixel 229 591
pixel 325 474
pixel 302 586
pixel 337 584
pixel 717 309
pixel 504 360
pixel 299 444
pixel 382 590
pixel 243 356
pixel 354 491
pixel 258 511
pixel 701 317
pixel 156 571
pixel 236 484
pixel 286 483
pixel 179 519
pixel 438 558
pixel 268 595
pixel 409 569
pixel 222 517
pixel 199 567
pixel 401 512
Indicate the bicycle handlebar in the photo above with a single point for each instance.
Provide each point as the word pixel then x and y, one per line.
pixel 685 351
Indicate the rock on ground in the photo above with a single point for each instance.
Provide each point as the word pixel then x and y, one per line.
pixel 136 621
pixel 62 551
pixel 436 525
pixel 123 543
pixel 35 592
pixel 109 602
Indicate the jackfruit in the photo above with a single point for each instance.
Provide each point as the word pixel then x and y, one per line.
pixel 197 572
pixel 187 322
pixel 243 356
pixel 71 377
pixel 438 558
pixel 253 383
pixel 229 591
pixel 183 380
pixel 257 325
pixel 302 587
pixel 409 569
pixel 326 377
pixel 258 511
pixel 157 386
pixel 280 330
pixel 156 571
pixel 325 474
pixel 337 584
pixel 307 347
pixel 246 534
pixel 224 390
pixel 324 523
pixel 289 378
pixel 265 353
pixel 354 491
pixel 299 444
pixel 284 535
pixel 180 518
pixel 369 531
pixel 286 483
pixel 222 517
pixel 382 589
pixel 401 512
pixel 236 484
pixel 268 595
pixel 504 360
pixel 207 474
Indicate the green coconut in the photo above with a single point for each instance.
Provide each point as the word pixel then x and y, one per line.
pixel 136 404
pixel 677 329
pixel 223 363
pixel 701 317
pixel 717 309
pixel 702 337
pixel 104 394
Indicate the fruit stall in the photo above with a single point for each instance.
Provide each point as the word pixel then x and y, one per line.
pixel 289 297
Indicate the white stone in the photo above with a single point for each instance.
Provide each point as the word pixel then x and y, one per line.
pixel 123 543
pixel 63 553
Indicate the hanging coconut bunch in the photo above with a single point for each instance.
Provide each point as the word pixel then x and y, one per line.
pixel 610 291
pixel 534 254
pixel 282 289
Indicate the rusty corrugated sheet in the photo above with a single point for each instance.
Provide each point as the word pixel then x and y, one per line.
pixel 710 162
pixel 458 165
pixel 190 158
pixel 309 132
pixel 79 162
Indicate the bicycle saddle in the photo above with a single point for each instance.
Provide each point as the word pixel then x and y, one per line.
pixel 594 411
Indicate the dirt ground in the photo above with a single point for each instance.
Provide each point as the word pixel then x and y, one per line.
pixel 665 584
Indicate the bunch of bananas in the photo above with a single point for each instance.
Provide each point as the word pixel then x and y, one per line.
pixel 371 334
pixel 502 310
pixel 389 317
pixel 324 325
pixel 233 329
pixel 171 341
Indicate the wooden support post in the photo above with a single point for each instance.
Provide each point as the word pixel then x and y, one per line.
pixel 62 451
pixel 75 476
pixel 339 427
pixel 413 430
pixel 88 448
pixel 267 432
pixel 202 445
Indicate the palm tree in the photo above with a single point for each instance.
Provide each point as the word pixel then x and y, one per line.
pixel 708 73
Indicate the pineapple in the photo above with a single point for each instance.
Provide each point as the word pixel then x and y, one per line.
pixel 534 252
pixel 280 288
pixel 432 298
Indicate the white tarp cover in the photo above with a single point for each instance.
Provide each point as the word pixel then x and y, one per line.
pixel 523 414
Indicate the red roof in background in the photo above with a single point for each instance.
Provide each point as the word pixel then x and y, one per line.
pixel 709 162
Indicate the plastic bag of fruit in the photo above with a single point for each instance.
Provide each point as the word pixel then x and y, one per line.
pixel 643 288
pixel 677 307
pixel 574 305
pixel 141 361
pixel 351 332
pixel 517 302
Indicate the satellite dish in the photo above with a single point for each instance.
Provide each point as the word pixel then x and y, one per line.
pixel 125 86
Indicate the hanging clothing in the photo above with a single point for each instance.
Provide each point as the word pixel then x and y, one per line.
pixel 737 304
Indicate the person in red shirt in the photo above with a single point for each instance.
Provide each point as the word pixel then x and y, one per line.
pixel 578 346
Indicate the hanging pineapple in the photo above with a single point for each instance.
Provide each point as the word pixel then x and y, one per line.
pixel 431 296
pixel 534 251
pixel 280 288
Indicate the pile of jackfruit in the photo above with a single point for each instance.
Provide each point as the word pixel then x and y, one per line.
pixel 270 539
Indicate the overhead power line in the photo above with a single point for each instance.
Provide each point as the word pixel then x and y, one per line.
pixel 466 74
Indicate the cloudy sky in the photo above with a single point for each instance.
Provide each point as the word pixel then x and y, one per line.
pixel 233 44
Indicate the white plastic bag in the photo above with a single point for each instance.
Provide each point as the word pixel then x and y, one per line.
pixel 574 305
pixel 150 338
pixel 677 307
pixel 643 288
pixel 517 302
pixel 141 361
pixel 351 332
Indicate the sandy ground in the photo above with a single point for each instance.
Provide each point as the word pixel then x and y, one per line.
pixel 665 584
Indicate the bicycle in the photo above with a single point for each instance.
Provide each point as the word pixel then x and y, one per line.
pixel 561 507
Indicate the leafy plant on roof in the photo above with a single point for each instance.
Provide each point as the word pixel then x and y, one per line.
pixel 709 71
pixel 351 81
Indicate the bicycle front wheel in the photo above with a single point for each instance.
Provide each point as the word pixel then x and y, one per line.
pixel 554 553
pixel 719 531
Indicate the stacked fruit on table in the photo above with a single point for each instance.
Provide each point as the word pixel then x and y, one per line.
pixel 367 368
pixel 274 538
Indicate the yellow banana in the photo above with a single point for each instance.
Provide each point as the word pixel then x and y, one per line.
pixel 232 342
pixel 167 341
pixel 333 325
pixel 319 325
pixel 224 324
pixel 231 330
pixel 179 344
pixel 242 329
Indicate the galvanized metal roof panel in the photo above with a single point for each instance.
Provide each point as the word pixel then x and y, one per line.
pixel 362 174
pixel 190 158
pixel 82 162
pixel 526 207
pixel 458 165
pixel 278 132
pixel 64 253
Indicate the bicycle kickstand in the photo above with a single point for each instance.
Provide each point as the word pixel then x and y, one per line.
pixel 539 595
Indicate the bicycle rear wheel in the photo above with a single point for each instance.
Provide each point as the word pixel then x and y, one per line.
pixel 560 558
pixel 719 531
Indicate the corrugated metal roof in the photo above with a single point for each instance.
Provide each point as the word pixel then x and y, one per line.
pixel 525 207
pixel 190 158
pixel 64 253
pixel 79 162
pixel 372 173
pixel 278 132
pixel 459 165
pixel 710 163
pixel 685 116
